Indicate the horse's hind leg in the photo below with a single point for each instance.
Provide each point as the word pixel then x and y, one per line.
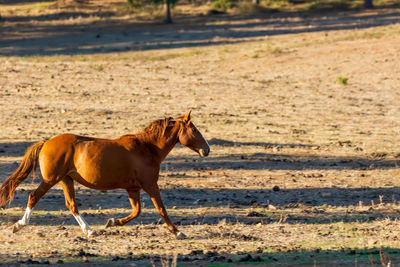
pixel 67 185
pixel 134 199
pixel 34 197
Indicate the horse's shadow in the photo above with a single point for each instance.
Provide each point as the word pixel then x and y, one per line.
pixel 303 205
pixel 93 202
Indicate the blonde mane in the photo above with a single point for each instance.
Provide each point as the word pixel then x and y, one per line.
pixel 157 128
pixel 154 130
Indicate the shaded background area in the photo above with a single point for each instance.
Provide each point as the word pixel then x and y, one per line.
pixel 99 31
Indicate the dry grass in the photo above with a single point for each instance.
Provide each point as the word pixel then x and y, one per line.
pixel 303 169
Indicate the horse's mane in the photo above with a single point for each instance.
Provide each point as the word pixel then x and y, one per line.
pixel 156 129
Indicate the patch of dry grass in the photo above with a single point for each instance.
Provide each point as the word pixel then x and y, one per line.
pixel 301 169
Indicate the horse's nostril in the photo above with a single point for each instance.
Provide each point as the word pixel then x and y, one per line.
pixel 204 152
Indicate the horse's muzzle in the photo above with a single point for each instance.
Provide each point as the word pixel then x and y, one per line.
pixel 204 152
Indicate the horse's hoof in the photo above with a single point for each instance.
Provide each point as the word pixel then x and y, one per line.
pixel 180 236
pixel 91 233
pixel 110 222
pixel 17 227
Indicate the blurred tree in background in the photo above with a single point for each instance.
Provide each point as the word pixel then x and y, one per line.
pixel 167 3
pixel 368 4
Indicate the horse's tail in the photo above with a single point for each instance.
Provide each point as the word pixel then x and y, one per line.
pixel 29 163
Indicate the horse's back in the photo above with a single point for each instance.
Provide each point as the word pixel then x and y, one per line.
pixel 55 156
pixel 58 153
pixel 62 146
pixel 93 162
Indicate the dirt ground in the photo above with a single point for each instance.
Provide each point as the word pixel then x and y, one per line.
pixel 301 112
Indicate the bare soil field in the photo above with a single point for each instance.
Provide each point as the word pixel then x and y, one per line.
pixel 301 112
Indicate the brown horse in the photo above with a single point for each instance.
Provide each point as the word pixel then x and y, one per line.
pixel 131 162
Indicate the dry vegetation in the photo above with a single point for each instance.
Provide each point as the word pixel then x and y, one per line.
pixel 301 111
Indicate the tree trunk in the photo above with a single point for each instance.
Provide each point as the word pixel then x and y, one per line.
pixel 256 2
pixel 368 4
pixel 168 12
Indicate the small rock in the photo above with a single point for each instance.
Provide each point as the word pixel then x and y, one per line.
pixel 246 258
pixel 351 252
pixel 101 232
pixel 254 214
pixel 116 258
pixel 40 234
pixel 211 254
pixel 275 188
pixel 79 239
pixel 81 253
pixel 272 258
pixel 197 252
pixel 254 203
pixel 326 194
pixel 219 258
pixel 64 234
pixel 257 258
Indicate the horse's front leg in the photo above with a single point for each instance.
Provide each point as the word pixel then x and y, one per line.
pixel 134 199
pixel 154 193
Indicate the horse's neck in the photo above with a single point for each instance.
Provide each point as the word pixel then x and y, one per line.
pixel 167 143
pixel 156 145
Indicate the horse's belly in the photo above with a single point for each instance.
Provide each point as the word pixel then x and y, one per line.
pixel 103 183
pixel 100 170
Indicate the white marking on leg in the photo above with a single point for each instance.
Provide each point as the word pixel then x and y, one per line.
pixel 27 216
pixel 180 235
pixel 84 225
pixel 110 222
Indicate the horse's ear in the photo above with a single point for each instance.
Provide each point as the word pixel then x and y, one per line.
pixel 186 118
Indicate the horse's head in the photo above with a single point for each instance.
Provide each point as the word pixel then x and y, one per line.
pixel 191 137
